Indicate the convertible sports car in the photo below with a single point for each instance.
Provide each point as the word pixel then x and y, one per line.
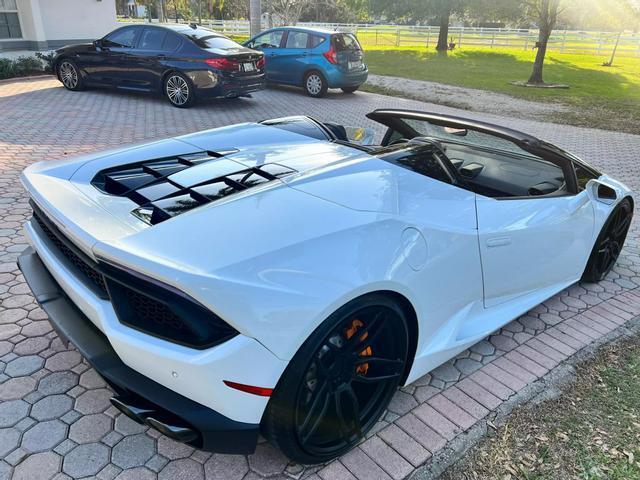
pixel 285 277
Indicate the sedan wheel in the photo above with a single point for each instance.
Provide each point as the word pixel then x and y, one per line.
pixel 609 243
pixel 69 76
pixel 315 85
pixel 178 91
pixel 345 385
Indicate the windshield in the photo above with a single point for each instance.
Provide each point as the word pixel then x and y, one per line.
pixel 205 38
pixel 464 136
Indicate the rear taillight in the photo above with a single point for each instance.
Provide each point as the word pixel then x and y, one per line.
pixel 260 63
pixel 222 64
pixel 331 55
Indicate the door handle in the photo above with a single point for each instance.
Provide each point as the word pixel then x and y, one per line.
pixel 498 242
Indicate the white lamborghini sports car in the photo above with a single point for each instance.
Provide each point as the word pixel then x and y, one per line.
pixel 285 277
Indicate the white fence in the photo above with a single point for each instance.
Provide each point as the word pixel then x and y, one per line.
pixel 561 41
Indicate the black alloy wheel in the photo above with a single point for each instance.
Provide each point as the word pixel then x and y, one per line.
pixel 609 244
pixel 345 379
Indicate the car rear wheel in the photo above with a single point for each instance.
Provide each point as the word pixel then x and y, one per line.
pixel 609 244
pixel 340 382
pixel 179 90
pixel 69 75
pixel 350 89
pixel 315 85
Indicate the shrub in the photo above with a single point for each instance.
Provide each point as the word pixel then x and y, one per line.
pixel 47 59
pixel 25 65
pixel 6 68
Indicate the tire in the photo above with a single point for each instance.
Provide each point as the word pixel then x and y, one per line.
pixel 609 242
pixel 340 381
pixel 350 89
pixel 315 84
pixel 179 90
pixel 70 76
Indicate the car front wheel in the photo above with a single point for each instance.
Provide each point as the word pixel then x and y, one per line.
pixel 315 85
pixel 340 381
pixel 69 75
pixel 179 90
pixel 609 243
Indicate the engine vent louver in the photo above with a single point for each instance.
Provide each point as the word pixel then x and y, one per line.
pixel 167 187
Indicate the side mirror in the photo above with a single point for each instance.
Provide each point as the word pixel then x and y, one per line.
pixel 601 192
pixel 97 43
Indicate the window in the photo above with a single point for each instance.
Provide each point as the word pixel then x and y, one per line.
pixel 123 38
pixel 583 175
pixel 345 41
pixel 466 137
pixel 152 39
pixel 315 40
pixel 171 42
pixel 267 40
pixel 9 21
pixel 205 38
pixel 297 39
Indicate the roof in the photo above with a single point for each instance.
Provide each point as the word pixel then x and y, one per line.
pixel 179 27
pixel 308 29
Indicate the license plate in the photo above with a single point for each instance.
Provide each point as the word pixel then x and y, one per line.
pixel 249 67
pixel 355 65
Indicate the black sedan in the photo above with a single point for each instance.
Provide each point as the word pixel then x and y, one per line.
pixel 183 62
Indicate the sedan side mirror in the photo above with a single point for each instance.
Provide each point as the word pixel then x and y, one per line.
pixel 97 43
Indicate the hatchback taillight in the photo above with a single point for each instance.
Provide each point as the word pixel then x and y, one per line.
pixel 223 64
pixel 331 55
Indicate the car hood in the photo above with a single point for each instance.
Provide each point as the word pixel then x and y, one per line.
pixel 76 47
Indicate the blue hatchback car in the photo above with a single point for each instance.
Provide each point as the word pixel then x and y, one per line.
pixel 315 59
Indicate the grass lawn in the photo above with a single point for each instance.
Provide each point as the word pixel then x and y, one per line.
pixel 602 97
pixel 592 431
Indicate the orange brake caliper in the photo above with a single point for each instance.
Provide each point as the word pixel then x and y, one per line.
pixel 363 368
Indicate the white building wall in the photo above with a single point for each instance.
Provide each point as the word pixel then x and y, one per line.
pixel 77 19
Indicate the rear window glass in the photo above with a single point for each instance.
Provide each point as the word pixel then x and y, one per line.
pixel 315 40
pixel 171 42
pixel 297 39
pixel 345 41
pixel 208 39
pixel 151 39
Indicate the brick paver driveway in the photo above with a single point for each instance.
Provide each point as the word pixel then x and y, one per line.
pixel 55 416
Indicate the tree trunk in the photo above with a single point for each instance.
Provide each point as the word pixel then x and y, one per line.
pixel 546 24
pixel 443 36
pixel 538 64
pixel 255 15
